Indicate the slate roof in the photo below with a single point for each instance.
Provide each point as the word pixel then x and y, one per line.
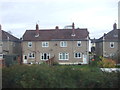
pixel 110 36
pixel 6 36
pixel 55 34
pixel 93 40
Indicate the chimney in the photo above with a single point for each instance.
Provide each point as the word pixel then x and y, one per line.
pixel 73 30
pixel 37 30
pixel 56 27
pixel 73 25
pixel 114 26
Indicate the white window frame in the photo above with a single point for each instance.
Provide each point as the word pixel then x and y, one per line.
pixel 77 55
pixel 112 43
pixel 1 56
pixel 63 44
pixel 45 44
pixel 42 55
pixel 112 54
pixel 32 55
pixel 25 57
pixel 29 44
pixel 79 42
pixel 63 56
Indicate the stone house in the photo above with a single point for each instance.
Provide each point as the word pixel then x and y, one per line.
pixel 108 44
pixel 65 46
pixel 10 47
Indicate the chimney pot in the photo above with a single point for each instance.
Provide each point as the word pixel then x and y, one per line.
pixel 73 25
pixel 114 26
pixel 37 27
pixel 56 27
pixel 37 30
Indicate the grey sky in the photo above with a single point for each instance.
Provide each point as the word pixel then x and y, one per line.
pixel 96 15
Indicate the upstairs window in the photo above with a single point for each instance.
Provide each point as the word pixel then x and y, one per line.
pixel 77 55
pixel 29 44
pixel 1 56
pixel 45 44
pixel 31 55
pixel 79 43
pixel 63 44
pixel 111 44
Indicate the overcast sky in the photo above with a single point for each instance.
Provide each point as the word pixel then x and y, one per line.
pixel 98 16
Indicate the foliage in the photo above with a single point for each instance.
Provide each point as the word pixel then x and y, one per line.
pixel 46 76
pixel 106 63
pixel 94 61
pixel 55 63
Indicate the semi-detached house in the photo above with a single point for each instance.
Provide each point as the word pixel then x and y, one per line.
pixel 65 46
pixel 10 48
pixel 109 44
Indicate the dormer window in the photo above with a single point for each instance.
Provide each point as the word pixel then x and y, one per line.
pixel 111 44
pixel 29 44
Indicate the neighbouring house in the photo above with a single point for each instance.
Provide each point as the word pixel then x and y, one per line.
pixel 119 15
pixel 93 49
pixel 93 45
pixel 65 46
pixel 108 44
pixel 10 48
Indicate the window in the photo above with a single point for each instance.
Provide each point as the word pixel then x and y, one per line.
pixel 1 56
pixel 112 54
pixel 63 56
pixel 29 44
pixel 45 44
pixel 25 57
pixel 78 43
pixel 77 55
pixel 31 55
pixel 111 44
pixel 45 56
pixel 63 44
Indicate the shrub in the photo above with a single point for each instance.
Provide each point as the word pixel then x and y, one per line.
pixel 107 63
pixel 55 63
pixel 46 76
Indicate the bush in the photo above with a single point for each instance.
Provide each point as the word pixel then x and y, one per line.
pixel 107 63
pixel 55 63
pixel 94 61
pixel 45 76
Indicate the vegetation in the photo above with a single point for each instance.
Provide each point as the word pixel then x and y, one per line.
pixel 103 62
pixel 107 63
pixel 58 76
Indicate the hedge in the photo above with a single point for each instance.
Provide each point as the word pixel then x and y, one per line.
pixel 44 76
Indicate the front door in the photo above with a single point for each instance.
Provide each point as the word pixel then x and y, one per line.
pixel 85 59
pixel 24 59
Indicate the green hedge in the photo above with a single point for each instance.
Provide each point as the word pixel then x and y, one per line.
pixel 44 76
